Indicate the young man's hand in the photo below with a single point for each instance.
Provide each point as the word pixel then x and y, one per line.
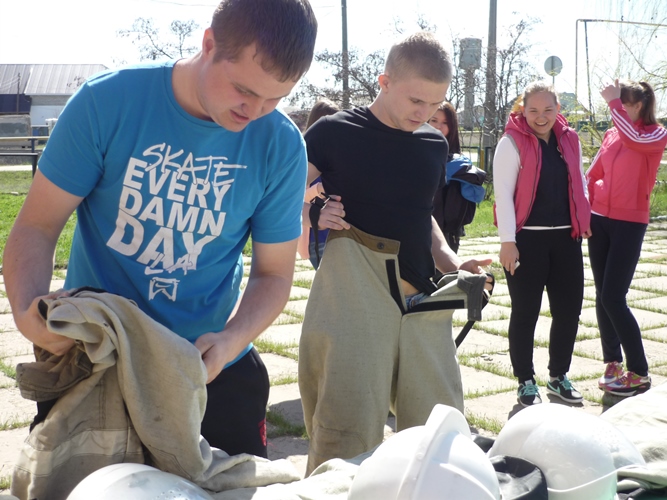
pixel 475 266
pixel 332 215
pixel 33 326
pixel 216 352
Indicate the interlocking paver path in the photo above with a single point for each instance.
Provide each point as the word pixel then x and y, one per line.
pixel 488 383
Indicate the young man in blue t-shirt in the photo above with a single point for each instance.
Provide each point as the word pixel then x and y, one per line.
pixel 171 167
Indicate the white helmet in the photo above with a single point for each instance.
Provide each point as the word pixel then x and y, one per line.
pixel 138 482
pixel 436 460
pixel 578 453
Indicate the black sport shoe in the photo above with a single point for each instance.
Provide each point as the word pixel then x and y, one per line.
pixel 563 388
pixel 529 393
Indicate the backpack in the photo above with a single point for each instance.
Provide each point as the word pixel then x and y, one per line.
pixel 463 191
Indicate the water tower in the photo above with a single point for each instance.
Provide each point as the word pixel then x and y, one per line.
pixel 469 61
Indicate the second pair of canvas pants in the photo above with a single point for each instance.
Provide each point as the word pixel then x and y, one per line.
pixel 361 355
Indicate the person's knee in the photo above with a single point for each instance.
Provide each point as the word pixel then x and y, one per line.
pixel 327 443
pixel 612 301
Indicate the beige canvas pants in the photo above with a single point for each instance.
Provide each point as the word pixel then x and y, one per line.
pixel 361 355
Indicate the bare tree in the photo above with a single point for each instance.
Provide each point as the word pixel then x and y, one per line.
pixel 513 70
pixel 363 79
pixel 154 45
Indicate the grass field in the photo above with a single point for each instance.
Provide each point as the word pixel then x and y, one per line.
pixel 14 187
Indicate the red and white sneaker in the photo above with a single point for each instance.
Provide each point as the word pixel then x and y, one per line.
pixel 629 385
pixel 612 373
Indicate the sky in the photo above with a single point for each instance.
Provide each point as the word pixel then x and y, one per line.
pixel 85 31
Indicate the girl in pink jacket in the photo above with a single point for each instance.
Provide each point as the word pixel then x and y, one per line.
pixel 542 215
pixel 620 182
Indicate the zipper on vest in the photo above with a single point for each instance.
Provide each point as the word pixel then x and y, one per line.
pixel 538 165
pixel 571 187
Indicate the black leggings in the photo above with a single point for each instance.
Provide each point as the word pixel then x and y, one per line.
pixel 552 259
pixel 614 251
pixel 235 418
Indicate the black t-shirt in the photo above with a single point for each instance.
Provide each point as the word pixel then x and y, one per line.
pixel 386 178
pixel 552 200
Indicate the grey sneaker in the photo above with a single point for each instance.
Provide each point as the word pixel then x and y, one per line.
pixel 528 393
pixel 563 388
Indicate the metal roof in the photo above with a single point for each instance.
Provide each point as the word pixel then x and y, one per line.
pixel 45 79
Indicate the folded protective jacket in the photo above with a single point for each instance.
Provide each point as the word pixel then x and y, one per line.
pixel 129 391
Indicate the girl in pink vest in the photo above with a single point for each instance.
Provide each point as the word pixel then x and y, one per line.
pixel 620 182
pixel 542 212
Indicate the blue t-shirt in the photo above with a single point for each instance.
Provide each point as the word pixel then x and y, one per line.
pixel 169 199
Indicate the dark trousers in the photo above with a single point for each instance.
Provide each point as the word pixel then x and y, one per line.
pixel 614 250
pixel 235 418
pixel 551 259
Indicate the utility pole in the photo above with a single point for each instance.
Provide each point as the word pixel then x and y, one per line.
pixel 346 58
pixel 18 93
pixel 490 99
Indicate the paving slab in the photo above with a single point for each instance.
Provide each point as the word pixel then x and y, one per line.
pixel 286 400
pixel 660 370
pixel 279 367
pixel 6 382
pixel 491 312
pixel 646 319
pixel 499 290
pixel 19 358
pixel 13 343
pixel 7 322
pixel 588 274
pixel 11 442
pixel 657 284
pixel 499 408
pixel 478 342
pixel 57 284
pixel 282 334
pixel 657 304
pixel 633 294
pixel 488 352
pixel 14 409
pixel 304 276
pixel 591 349
pixel 648 255
pixel 496 326
pixel 657 334
pixel 299 293
pixel 285 318
pixel 500 363
pixel 653 244
pixel 653 268
pixel 477 382
pixel 296 307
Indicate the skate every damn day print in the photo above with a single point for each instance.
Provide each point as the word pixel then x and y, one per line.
pixel 183 199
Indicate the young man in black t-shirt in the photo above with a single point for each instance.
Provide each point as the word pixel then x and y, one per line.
pixel 384 165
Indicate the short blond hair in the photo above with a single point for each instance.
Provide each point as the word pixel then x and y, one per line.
pixel 420 55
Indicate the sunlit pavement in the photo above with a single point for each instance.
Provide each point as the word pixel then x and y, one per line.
pixel 490 390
